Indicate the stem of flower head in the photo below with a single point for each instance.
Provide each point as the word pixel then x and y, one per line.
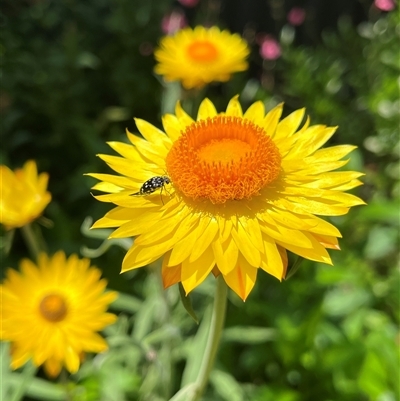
pixel 214 336
pixel 31 240
pixel 26 377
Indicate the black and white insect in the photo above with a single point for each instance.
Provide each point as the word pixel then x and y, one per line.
pixel 153 184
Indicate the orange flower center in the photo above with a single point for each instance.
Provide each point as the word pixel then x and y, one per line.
pixel 202 51
pixel 53 308
pixel 223 158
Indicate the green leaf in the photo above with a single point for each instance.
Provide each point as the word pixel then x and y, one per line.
pixel 382 241
pixel 341 301
pixel 372 378
pixel 194 350
pixel 249 334
pixel 39 389
pixel 292 270
pixel 226 386
pixel 385 212
pixel 185 393
pixel 187 303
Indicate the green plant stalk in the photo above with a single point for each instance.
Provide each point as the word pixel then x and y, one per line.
pixel 214 336
pixel 26 378
pixel 31 241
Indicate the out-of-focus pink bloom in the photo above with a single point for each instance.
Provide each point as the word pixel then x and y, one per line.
pixel 385 5
pixel 189 3
pixel 270 48
pixel 296 16
pixel 172 22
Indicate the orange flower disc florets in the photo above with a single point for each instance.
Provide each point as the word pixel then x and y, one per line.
pixel 202 51
pixel 223 158
pixel 53 308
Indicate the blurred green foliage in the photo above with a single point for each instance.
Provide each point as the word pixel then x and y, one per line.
pixel 74 75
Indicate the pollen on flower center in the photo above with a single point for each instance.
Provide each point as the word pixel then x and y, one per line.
pixel 202 51
pixel 223 158
pixel 53 308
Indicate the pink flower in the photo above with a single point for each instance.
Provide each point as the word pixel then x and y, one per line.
pixel 189 3
pixel 173 22
pixel 385 5
pixel 296 16
pixel 270 49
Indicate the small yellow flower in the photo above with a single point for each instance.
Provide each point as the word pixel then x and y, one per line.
pixel 23 195
pixel 51 312
pixel 199 56
pixel 244 188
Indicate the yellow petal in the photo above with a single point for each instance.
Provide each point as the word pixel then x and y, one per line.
pixel 52 366
pixel 120 181
pixel 71 360
pixel 234 108
pixel 226 254
pixel 333 179
pixel 288 219
pixel 320 226
pixel 139 256
pixel 125 166
pixel 171 274
pixel 317 253
pixel 308 206
pixel 252 228
pixel 271 120
pixel 271 259
pixel 184 119
pixel 311 140
pixel 288 126
pixel 206 110
pixel 343 199
pixel 152 152
pixel 204 240
pixel 315 168
pixel 128 151
pixel 225 228
pixel 255 113
pixel 281 233
pixel 107 187
pixel 132 228
pixel 171 126
pixel 152 134
pixel 194 273
pixel 183 248
pixel 175 226
pixel 242 278
pixel 19 357
pixel 245 246
pixel 333 152
pixel 327 241
pixel 350 185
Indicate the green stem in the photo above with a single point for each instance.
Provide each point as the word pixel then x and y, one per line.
pixel 214 336
pixel 31 241
pixel 27 376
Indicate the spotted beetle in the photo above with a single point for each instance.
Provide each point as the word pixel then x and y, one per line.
pixel 153 184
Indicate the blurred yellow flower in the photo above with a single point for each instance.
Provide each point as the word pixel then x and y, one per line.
pixel 51 312
pixel 201 55
pixel 235 192
pixel 23 195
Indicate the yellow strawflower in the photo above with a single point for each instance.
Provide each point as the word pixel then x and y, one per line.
pixel 23 195
pixel 51 312
pixel 201 55
pixel 233 192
